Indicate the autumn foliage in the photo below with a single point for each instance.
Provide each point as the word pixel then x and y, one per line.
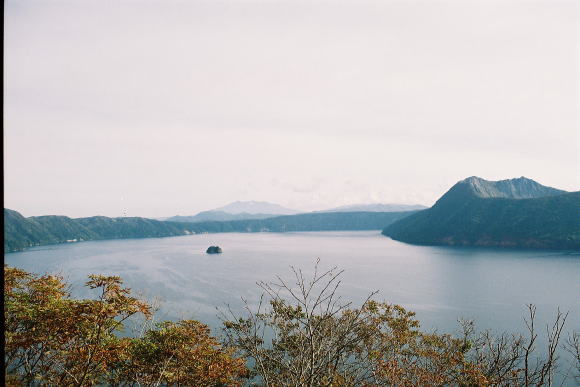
pixel 54 340
pixel 301 334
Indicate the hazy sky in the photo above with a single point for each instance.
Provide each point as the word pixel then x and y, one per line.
pixel 157 108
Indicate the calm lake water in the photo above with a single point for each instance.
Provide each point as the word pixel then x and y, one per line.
pixel 441 284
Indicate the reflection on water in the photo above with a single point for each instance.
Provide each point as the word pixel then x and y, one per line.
pixel 441 284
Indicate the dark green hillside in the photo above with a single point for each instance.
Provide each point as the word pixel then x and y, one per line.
pixel 21 232
pixel 330 221
pixel 477 215
pixel 63 228
pixel 118 228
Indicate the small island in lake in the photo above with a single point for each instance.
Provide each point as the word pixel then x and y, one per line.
pixel 214 250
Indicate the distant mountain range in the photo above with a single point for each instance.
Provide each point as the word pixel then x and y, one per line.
pixel 263 210
pixel 252 207
pixel 220 216
pixel 236 211
pixel 474 212
pixel 508 213
pixel 21 233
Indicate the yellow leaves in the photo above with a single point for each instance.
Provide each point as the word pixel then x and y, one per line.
pixel 75 341
pixel 68 338
pixel 430 359
pixel 97 281
pixel 184 353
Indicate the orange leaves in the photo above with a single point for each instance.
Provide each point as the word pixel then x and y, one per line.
pixel 52 339
pixel 182 353
pixel 309 338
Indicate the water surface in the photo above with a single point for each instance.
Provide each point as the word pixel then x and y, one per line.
pixel 441 284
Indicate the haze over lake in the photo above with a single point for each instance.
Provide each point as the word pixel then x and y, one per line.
pixel 441 284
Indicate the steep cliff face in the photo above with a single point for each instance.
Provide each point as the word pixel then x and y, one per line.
pixel 477 212
pixel 520 188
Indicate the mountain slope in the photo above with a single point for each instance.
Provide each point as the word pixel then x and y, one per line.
pixel 520 188
pixel 332 221
pixel 118 228
pixel 376 207
pixel 476 212
pixel 63 228
pixel 21 233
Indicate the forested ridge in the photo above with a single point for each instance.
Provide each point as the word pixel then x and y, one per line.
pixel 21 232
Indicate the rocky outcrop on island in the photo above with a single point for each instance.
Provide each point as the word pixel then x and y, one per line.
pixel 214 250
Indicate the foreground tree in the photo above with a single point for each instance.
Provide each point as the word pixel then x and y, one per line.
pixel 303 334
pixel 573 348
pixel 52 339
pixel 182 354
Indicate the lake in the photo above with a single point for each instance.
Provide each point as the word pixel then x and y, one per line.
pixel 441 284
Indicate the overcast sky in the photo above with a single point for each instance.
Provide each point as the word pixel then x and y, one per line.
pixel 157 108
